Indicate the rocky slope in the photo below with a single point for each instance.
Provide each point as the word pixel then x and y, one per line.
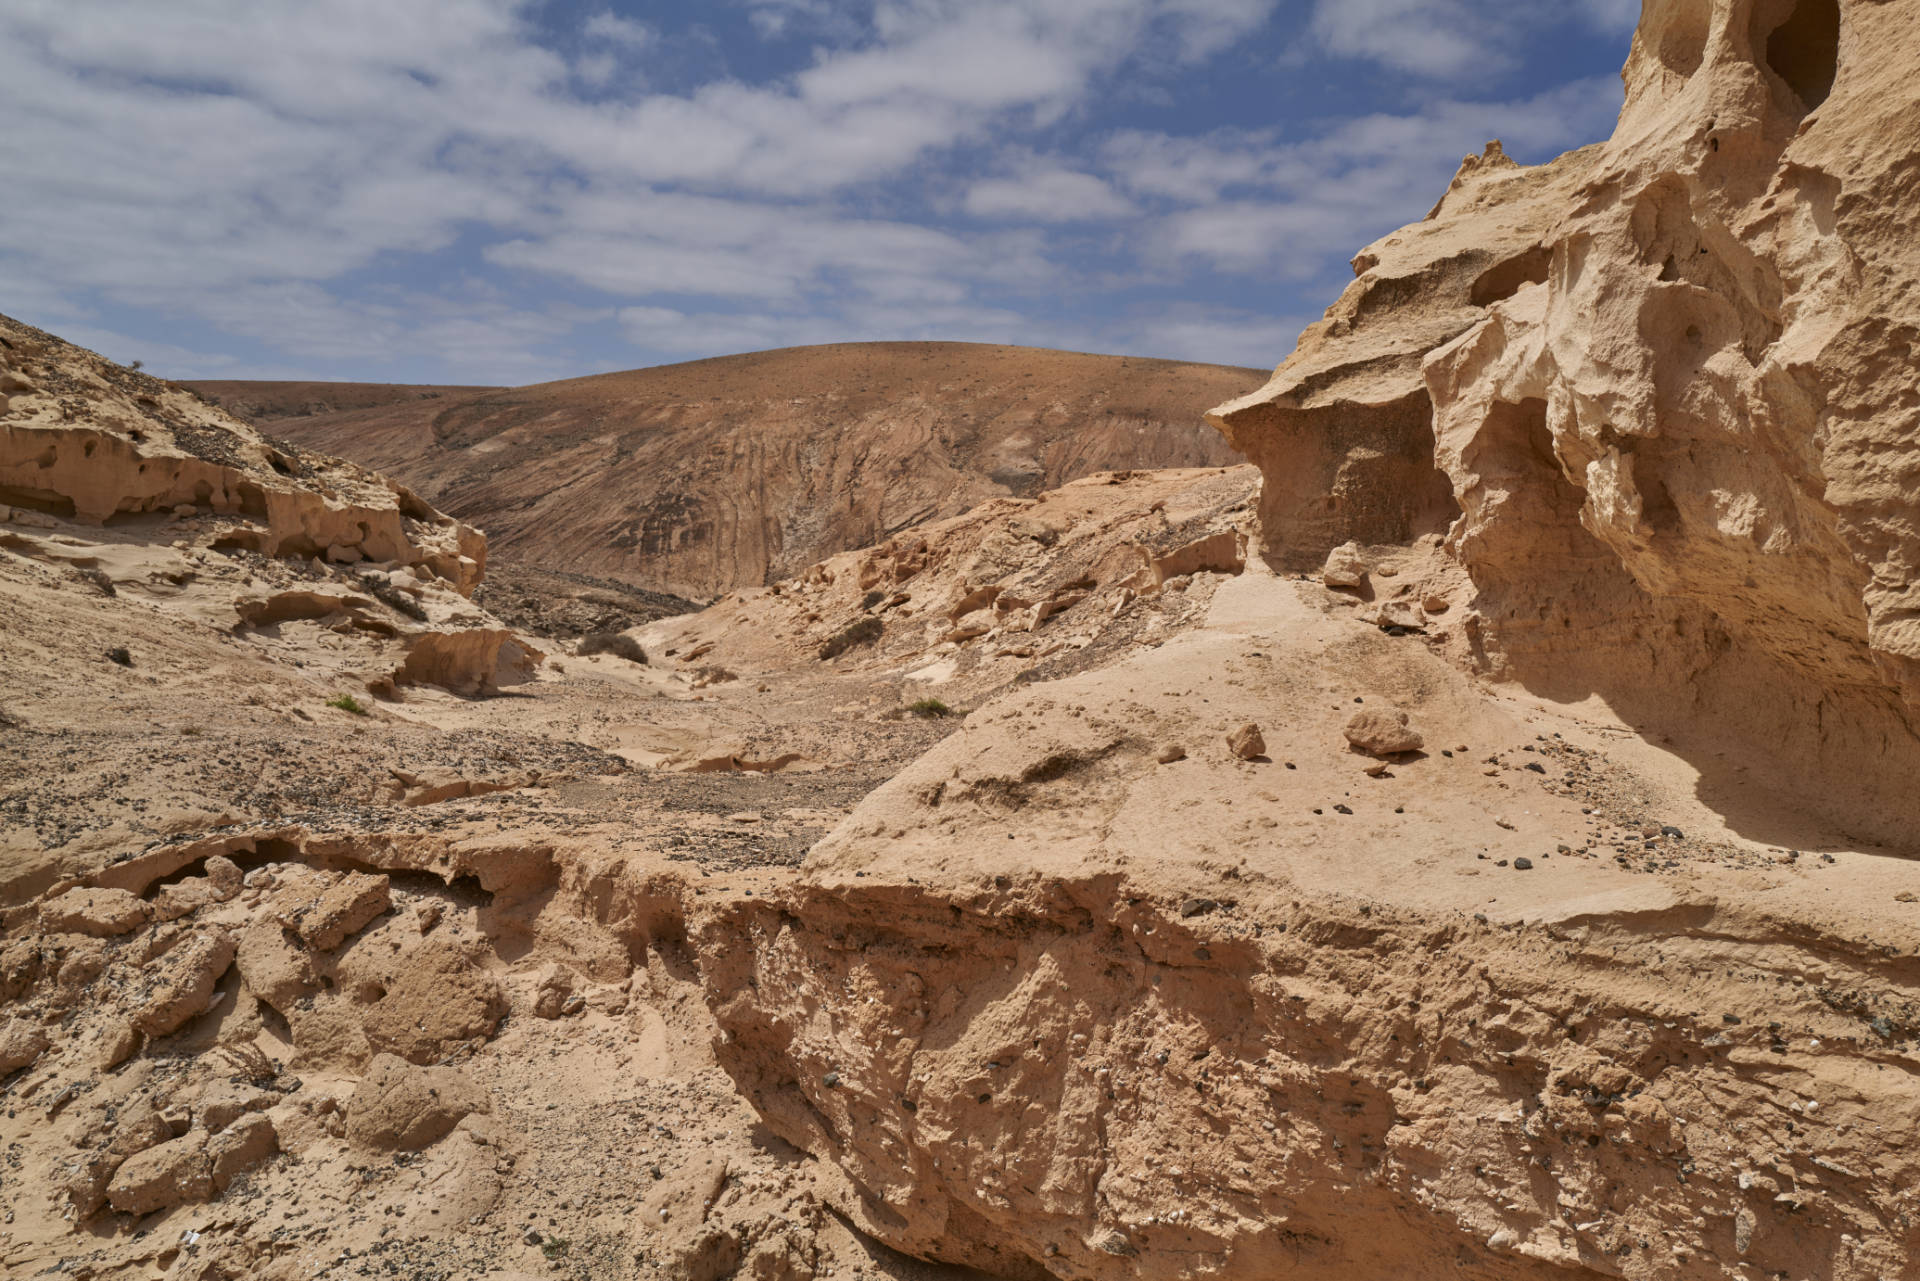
pixel 83 438
pixel 319 958
pixel 1180 967
pixel 263 403
pixel 702 477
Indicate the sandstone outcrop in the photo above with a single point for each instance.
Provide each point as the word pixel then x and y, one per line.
pixel 1056 1001
pixel 398 1107
pixel 1657 392
pixel 85 439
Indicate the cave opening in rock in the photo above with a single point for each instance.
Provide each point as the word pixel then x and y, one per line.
pixel 1804 50
pixel 1505 279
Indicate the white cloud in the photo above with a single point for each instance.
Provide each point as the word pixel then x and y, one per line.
pixel 1211 335
pixel 1047 195
pixel 1249 202
pixel 610 27
pixel 1452 40
pixel 1441 38
pixel 314 176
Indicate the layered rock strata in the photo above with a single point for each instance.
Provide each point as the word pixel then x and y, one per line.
pixel 84 439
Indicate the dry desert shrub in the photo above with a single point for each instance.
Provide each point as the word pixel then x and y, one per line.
pixel 619 644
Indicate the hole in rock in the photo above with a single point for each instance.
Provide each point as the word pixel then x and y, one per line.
pixel 253 500
pixel 45 501
pixel 1503 280
pixel 1681 45
pixel 1804 50
pixel 240 542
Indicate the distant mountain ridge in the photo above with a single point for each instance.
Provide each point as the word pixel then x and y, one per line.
pixel 701 477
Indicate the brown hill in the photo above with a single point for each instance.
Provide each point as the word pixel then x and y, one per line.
pixel 265 402
pixel 700 477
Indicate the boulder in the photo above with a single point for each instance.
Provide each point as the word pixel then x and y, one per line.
pixel 274 965
pixel 96 913
pixel 1246 742
pixel 1345 567
pixel 21 1042
pixel 245 1143
pixel 550 996
pixel 180 984
pixel 401 1107
pixel 177 1172
pixel 1383 731
pixel 436 997
pixel 344 907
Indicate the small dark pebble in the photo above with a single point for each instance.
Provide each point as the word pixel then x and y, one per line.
pixel 1341 809
pixel 830 1080
pixel 1536 767
pixel 1198 907
pixel 1523 864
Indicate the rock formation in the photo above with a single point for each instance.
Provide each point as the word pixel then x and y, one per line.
pixel 83 438
pixel 1060 1000
pixel 1658 393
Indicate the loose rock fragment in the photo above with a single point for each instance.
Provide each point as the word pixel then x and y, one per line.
pixel 1383 731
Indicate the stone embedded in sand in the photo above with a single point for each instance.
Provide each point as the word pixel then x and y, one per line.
pixel 401 1107
pixel 177 1172
pixel 1383 731
pixel 97 913
pixel 180 984
pixel 1246 742
pixel 472 663
pixel 326 920
pixel 21 1042
pixel 1170 753
pixel 274 965
pixel 225 1102
pixel 245 1143
pixel 552 991
pixel 85 1179
pixel 436 998
pixel 139 1127
pixel 1345 567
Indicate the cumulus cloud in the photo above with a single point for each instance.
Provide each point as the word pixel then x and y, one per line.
pixel 1243 201
pixel 352 181
pixel 1452 40
pixel 1047 194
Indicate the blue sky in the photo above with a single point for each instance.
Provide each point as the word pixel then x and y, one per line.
pixel 499 191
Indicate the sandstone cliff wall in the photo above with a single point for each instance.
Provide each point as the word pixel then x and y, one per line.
pixel 1660 395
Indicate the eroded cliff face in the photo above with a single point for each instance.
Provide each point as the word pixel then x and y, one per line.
pixel 1095 990
pixel 1667 385
pixel 84 439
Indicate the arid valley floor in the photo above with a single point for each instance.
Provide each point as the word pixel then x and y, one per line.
pixel 924 811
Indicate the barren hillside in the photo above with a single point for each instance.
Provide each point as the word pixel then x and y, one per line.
pixel 1477 839
pixel 700 477
pixel 264 403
